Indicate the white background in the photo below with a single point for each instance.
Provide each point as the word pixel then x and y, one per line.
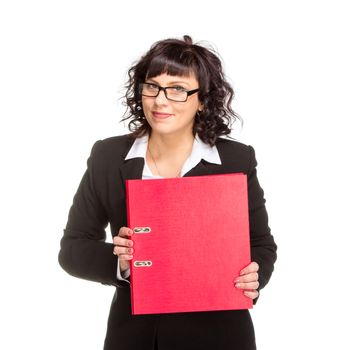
pixel 63 67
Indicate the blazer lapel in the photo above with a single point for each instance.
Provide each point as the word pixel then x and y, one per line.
pixel 204 168
pixel 131 169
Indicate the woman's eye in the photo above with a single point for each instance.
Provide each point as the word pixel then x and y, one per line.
pixel 178 88
pixel 151 86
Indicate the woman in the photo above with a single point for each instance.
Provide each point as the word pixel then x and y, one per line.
pixel 179 103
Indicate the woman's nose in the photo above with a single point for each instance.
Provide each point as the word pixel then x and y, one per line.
pixel 161 98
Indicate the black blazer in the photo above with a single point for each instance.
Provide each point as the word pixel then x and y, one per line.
pixel 100 199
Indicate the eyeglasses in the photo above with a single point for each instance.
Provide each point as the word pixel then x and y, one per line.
pixel 172 93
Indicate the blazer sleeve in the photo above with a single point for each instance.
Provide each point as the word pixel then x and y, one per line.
pixel 83 250
pixel 263 247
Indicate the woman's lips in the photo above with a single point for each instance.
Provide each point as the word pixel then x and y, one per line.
pixel 161 115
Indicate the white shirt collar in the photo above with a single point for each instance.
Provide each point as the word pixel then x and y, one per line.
pixel 200 151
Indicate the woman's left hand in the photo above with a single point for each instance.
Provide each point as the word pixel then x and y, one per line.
pixel 248 280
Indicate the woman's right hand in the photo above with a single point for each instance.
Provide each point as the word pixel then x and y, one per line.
pixel 123 247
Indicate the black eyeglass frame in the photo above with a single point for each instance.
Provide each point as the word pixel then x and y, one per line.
pixel 189 92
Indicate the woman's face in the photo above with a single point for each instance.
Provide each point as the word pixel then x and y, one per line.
pixel 168 117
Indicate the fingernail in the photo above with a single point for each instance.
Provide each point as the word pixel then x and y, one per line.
pixel 237 280
pixel 237 285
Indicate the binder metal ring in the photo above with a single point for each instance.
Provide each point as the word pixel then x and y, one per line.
pixel 141 229
pixel 145 263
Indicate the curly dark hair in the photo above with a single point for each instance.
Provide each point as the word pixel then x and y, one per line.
pixel 181 57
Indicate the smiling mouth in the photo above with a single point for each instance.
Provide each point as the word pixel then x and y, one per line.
pixel 161 115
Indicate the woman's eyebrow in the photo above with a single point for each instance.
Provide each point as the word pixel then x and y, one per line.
pixel 178 82
pixel 169 83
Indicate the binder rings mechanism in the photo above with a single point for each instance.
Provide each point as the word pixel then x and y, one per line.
pixel 146 263
pixel 141 229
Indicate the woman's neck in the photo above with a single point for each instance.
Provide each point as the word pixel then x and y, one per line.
pixel 166 146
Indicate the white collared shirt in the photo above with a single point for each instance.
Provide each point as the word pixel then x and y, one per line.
pixel 200 151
